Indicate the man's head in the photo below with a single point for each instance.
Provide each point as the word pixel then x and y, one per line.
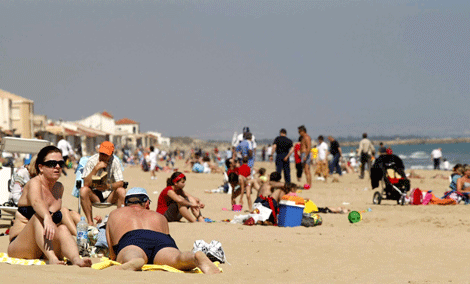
pixel 331 138
pixel 152 148
pixel 137 195
pixel 364 135
pixel 320 138
pixel 302 130
pixel 283 132
pixel 245 160
pixel 106 151
pixel 247 135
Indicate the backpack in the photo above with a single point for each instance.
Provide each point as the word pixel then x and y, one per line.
pixel 416 196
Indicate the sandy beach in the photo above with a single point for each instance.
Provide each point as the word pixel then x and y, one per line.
pixel 392 244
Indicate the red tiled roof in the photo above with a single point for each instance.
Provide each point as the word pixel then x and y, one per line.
pixel 126 121
pixel 107 114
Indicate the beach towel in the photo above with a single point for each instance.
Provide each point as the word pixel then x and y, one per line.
pixel 106 262
pixel 4 258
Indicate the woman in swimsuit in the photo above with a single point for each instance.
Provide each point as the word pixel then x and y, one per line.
pixel 38 230
pixel 463 183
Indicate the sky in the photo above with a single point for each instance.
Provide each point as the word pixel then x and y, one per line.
pixel 206 69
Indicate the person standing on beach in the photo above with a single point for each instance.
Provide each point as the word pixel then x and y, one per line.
pixel 335 151
pixel 66 149
pixel 282 147
pixel 305 154
pixel 322 163
pixel 436 155
pixel 245 148
pixel 366 150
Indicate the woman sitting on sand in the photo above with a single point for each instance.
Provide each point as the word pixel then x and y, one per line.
pixel 38 230
pixel 463 183
pixel 456 174
pixel 174 203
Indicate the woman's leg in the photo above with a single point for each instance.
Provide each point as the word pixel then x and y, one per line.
pixel 196 211
pixel 68 220
pixel 64 245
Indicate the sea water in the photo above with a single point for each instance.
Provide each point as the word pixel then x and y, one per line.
pixel 418 156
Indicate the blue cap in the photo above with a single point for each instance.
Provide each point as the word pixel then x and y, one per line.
pixel 136 191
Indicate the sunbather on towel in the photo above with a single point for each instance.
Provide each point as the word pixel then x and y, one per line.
pixel 38 230
pixel 137 236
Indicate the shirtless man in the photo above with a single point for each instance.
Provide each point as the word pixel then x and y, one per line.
pixel 137 236
pixel 305 154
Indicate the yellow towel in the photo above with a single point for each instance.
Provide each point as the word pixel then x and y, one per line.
pixel 106 262
pixel 11 260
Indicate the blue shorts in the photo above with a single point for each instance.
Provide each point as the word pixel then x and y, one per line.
pixel 150 242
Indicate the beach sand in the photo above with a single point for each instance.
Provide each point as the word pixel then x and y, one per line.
pixel 412 244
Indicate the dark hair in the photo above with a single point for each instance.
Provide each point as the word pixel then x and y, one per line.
pixel 152 148
pixel 283 131
pixel 206 159
pixel 228 163
pixel 300 138
pixel 320 137
pixel 169 181
pixel 288 186
pixel 136 199
pixel 275 176
pixel 364 135
pixel 302 128
pixel 248 135
pixel 232 177
pixel 262 171
pixel 43 153
pixel 245 160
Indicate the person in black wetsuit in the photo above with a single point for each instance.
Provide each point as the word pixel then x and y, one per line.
pixel 137 235
pixel 38 230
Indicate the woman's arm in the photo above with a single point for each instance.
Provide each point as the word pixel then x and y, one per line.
pixel 179 199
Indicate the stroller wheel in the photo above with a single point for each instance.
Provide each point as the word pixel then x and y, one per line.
pixel 401 201
pixel 377 198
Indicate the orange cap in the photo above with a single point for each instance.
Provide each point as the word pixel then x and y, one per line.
pixel 107 148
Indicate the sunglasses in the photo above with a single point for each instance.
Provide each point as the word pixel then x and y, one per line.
pixel 53 163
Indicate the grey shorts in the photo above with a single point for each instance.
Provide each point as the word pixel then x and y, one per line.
pixel 172 214
pixel 306 159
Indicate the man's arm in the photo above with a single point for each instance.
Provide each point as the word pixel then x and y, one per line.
pixel 273 151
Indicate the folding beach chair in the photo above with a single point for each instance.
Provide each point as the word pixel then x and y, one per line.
pixel 21 146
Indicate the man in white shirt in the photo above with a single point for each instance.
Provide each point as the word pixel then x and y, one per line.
pixel 153 157
pixel 436 155
pixel 66 149
pixel 322 159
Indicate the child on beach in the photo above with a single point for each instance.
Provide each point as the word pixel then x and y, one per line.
pixel 174 203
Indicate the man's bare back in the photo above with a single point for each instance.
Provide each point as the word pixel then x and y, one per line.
pixel 125 219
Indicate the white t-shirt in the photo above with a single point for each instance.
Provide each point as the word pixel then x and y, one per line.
pixel 436 154
pixel 240 139
pixel 65 147
pixel 322 149
pixel 153 157
pixel 269 151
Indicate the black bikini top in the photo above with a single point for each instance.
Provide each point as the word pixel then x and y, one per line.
pixel 28 212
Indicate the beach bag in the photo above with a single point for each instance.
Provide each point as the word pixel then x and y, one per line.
pixel 416 196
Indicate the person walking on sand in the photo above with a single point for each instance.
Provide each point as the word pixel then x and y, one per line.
pixel 136 236
pixel 335 151
pixel 436 156
pixel 322 160
pixel 282 146
pixel 366 151
pixel 305 154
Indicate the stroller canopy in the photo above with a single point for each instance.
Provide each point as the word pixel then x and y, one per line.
pixel 380 166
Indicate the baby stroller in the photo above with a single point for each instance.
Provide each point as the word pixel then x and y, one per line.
pixel 395 185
